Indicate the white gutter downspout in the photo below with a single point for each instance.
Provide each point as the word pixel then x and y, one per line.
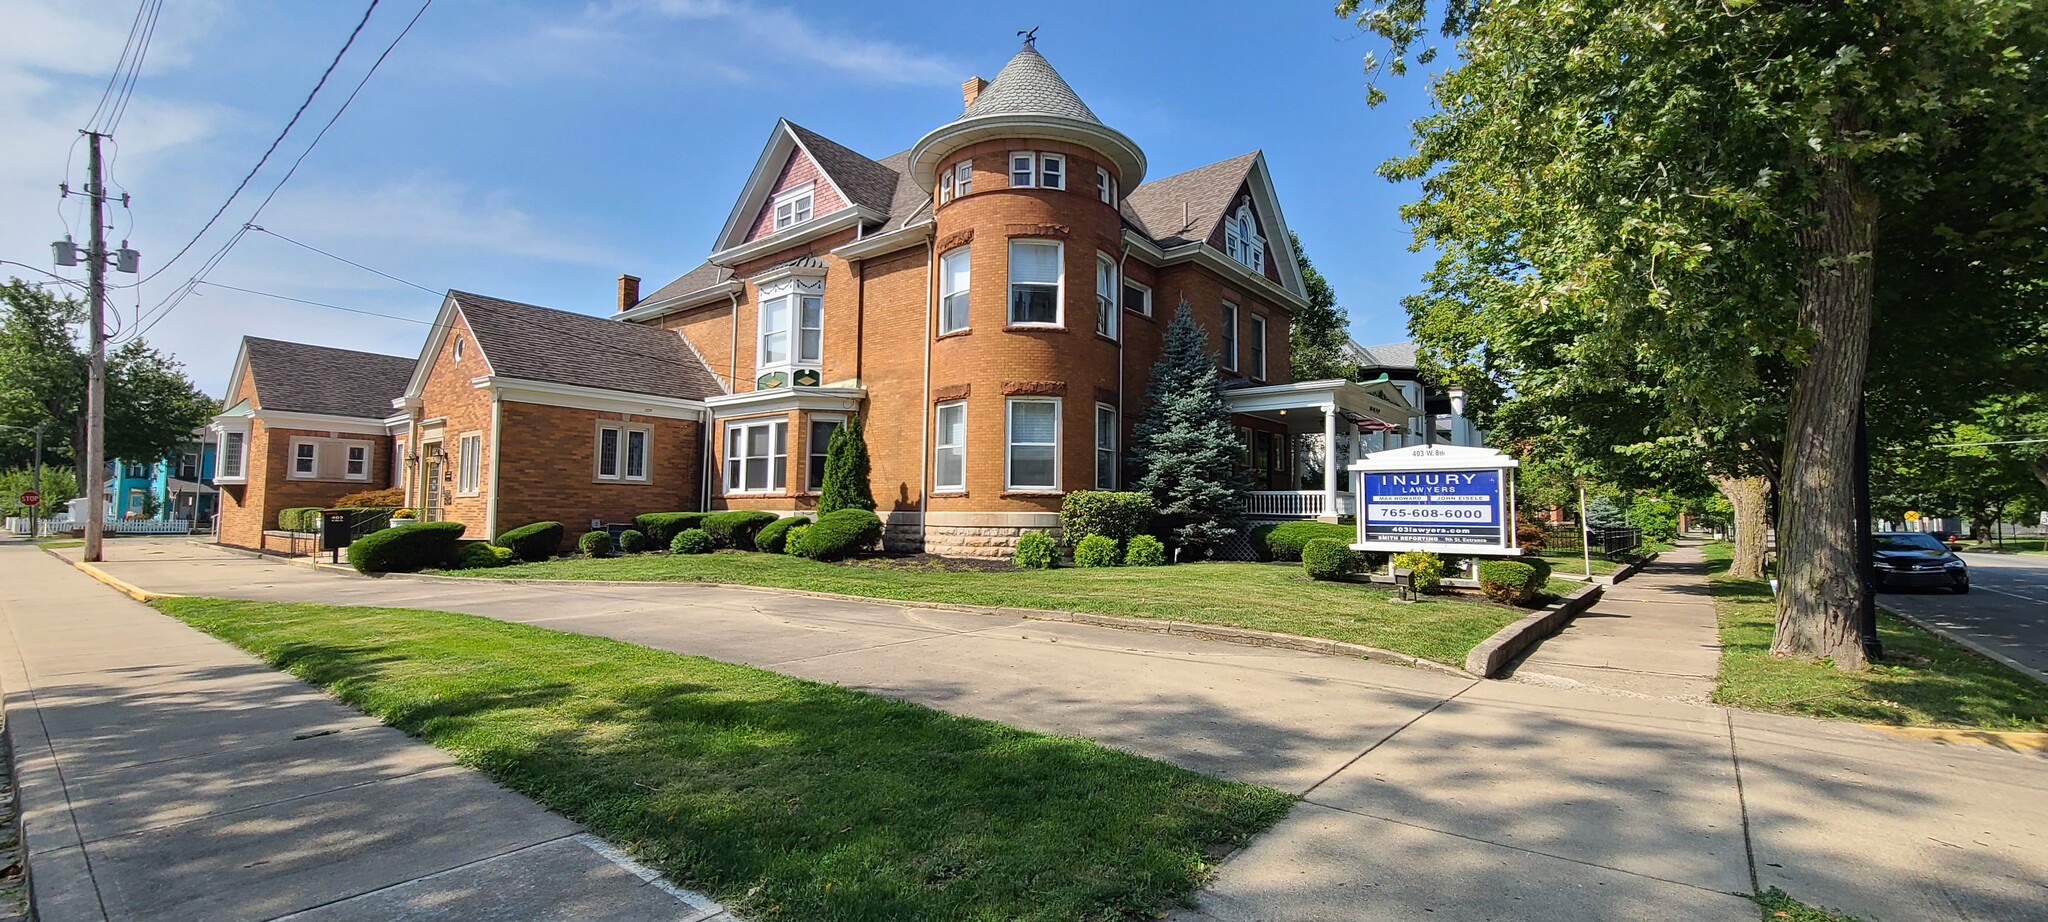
pixel 491 498
pixel 1121 335
pixel 924 447
pixel 732 378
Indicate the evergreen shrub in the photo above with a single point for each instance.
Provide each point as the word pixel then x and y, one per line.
pixel 840 534
pixel 1036 551
pixel 737 528
pixel 793 542
pixel 661 527
pixel 371 499
pixel 479 555
pixel 846 472
pixel 1328 558
pixel 773 538
pixel 1144 551
pixel 1097 551
pixel 632 541
pixel 406 548
pixel 1284 540
pixel 1118 515
pixel 596 543
pixel 692 541
pixel 1508 581
pixel 533 543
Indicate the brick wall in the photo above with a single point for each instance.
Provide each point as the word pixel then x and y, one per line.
pixel 548 469
pixel 447 393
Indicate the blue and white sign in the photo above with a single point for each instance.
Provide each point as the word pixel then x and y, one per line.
pixel 1441 498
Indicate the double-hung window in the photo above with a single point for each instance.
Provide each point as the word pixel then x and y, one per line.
pixel 305 459
pixel 1229 336
pixel 1105 187
pixel 818 439
pixel 358 462
pixel 949 456
pixel 794 206
pixel 1030 169
pixel 1023 170
pixel 954 269
pixel 1105 295
pixel 622 452
pixel 757 456
pixel 469 451
pixel 1052 171
pixel 1241 240
pixel 963 178
pixel 1137 298
pixel 1105 446
pixel 793 316
pixel 1033 444
pixel 945 185
pixel 231 454
pixel 1258 345
pixel 1035 275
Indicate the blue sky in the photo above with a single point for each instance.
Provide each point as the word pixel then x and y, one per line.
pixel 535 151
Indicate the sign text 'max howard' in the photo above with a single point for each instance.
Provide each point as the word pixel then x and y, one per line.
pixel 1434 507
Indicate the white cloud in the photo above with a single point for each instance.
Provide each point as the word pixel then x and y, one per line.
pixel 432 216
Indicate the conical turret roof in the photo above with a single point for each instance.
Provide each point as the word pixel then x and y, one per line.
pixel 1029 86
pixel 1028 99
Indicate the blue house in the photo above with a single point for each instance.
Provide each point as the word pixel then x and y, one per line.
pixel 182 485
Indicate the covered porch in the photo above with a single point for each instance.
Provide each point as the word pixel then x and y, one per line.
pixel 1316 428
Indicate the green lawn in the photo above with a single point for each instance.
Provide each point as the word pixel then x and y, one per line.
pixel 2008 546
pixel 1267 597
pixel 1573 562
pixel 1923 681
pixel 786 799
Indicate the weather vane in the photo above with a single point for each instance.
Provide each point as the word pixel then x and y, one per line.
pixel 1030 36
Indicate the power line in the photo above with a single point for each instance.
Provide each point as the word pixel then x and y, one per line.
pixel 120 65
pixel 120 107
pixel 331 65
pixel 71 282
pixel 308 246
pixel 335 307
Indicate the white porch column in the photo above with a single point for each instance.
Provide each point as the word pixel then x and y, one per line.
pixel 1329 463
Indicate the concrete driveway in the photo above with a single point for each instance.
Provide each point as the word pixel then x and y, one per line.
pixel 1423 793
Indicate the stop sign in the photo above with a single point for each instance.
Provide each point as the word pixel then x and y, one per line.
pixel 30 497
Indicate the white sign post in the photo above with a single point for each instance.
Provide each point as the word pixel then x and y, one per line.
pixel 1445 499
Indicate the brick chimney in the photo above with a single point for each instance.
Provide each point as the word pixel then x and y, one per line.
pixel 629 292
pixel 971 89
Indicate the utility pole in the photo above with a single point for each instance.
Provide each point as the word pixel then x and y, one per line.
pixel 35 512
pixel 96 389
pixel 1866 563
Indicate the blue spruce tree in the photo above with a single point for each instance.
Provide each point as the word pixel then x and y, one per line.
pixel 1186 447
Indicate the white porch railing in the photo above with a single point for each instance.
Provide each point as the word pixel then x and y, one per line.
pixel 1295 504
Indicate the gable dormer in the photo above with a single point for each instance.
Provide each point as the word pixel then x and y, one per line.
pixel 1242 236
pixel 803 185
pixel 801 192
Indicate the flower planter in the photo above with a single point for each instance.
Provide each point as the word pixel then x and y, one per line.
pixel 397 522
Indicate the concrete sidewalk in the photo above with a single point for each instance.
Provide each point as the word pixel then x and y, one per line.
pixel 1425 795
pixel 168 775
pixel 1654 634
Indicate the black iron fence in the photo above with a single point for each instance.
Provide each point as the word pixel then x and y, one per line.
pixel 1613 541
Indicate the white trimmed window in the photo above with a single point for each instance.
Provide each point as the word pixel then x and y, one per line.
pixel 1031 169
pixel 1105 295
pixel 949 456
pixel 1105 187
pixel 1052 171
pixel 469 462
pixel 757 456
pixel 818 439
pixel 945 185
pixel 1023 170
pixel 232 454
pixel 1258 344
pixel 622 451
pixel 358 463
pixel 954 269
pixel 790 316
pixel 794 206
pixel 1137 298
pixel 1032 447
pixel 1229 336
pixel 963 178
pixel 1105 446
pixel 305 459
pixel 1241 240
pixel 1036 268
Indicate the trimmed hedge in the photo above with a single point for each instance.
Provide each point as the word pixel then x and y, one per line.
pixel 632 541
pixel 1097 551
pixel 737 528
pixel 595 543
pixel 661 528
pixel 300 519
pixel 1328 558
pixel 533 543
pixel 773 537
pixel 1508 581
pixel 371 499
pixel 692 541
pixel 479 555
pixel 1144 551
pixel 1284 540
pixel 1428 567
pixel 839 534
pixel 1035 551
pixel 1542 569
pixel 793 542
pixel 1120 516
pixel 406 548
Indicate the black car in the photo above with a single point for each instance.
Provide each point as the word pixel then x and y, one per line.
pixel 1911 559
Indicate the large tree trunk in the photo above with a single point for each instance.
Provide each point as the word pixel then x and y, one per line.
pixel 2040 468
pixel 1750 497
pixel 1820 577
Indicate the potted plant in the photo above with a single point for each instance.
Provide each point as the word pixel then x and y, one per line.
pixel 403 517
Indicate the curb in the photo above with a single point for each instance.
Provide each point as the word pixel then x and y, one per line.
pixel 1628 571
pixel 1974 646
pixel 1486 659
pixel 1242 636
pixel 2020 741
pixel 123 586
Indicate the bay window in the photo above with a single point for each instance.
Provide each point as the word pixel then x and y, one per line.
pixel 1035 275
pixel 1032 445
pixel 757 456
pixel 794 316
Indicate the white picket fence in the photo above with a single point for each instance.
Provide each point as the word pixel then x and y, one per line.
pixel 57 525
pixel 1295 504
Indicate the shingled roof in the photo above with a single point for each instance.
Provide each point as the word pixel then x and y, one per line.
pixel 1029 86
pixel 1396 356
pixel 1185 207
pixel 536 343
pixel 304 378
pixel 698 279
pixel 864 181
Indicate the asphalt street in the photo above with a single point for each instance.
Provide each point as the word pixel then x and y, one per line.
pixel 2005 614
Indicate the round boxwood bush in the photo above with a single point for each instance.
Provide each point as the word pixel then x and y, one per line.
pixel 661 527
pixel 1428 567
pixel 839 534
pixel 793 542
pixel 478 555
pixel 1542 568
pixel 1508 581
pixel 532 543
pixel 632 541
pixel 1144 551
pixel 1328 558
pixel 1284 540
pixel 595 543
pixel 773 537
pixel 736 528
pixel 1035 551
pixel 406 548
pixel 692 541
pixel 1097 551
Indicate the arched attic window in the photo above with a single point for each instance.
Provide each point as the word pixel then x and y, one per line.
pixel 1242 241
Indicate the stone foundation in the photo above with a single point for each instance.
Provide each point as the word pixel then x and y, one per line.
pixel 995 541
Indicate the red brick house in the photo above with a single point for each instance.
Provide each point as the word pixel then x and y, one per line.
pixel 990 302
pixel 304 424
